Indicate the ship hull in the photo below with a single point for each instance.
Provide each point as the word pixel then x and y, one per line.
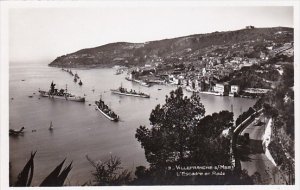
pixel 107 116
pixel 127 94
pixel 70 98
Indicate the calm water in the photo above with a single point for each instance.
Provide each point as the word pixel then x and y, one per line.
pixel 79 129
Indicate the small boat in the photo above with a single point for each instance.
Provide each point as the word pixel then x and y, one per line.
pixel 118 72
pixel 144 84
pixel 68 71
pixel 14 132
pixel 76 76
pixel 80 83
pixel 125 92
pixel 51 126
pixel 60 94
pixel 129 79
pixel 106 111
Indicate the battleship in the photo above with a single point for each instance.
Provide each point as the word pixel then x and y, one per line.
pixel 106 111
pixel 125 92
pixel 60 94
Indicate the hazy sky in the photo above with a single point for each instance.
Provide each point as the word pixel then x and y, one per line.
pixel 44 33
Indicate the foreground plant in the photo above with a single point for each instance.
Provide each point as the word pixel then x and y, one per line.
pixel 110 172
pixel 55 178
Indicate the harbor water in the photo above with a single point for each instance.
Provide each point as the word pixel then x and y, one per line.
pixel 78 129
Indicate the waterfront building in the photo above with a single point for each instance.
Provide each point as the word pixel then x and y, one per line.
pixel 256 90
pixel 219 88
pixel 234 90
pixel 174 80
pixel 130 76
pixel 222 89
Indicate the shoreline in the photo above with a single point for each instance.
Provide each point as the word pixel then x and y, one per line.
pixel 188 89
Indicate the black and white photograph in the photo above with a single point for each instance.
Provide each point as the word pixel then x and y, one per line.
pixel 149 93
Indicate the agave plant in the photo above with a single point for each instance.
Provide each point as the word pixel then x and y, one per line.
pixel 55 178
pixel 23 179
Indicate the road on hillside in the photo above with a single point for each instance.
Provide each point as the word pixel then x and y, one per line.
pixel 253 158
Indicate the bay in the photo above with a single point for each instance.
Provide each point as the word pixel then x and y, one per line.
pixel 79 129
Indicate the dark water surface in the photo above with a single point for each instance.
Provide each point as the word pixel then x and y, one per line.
pixel 79 129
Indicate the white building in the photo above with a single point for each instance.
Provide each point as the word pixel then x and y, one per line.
pixel 173 79
pixel 203 72
pixel 220 88
pixel 234 89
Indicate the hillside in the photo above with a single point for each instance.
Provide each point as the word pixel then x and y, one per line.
pixel 188 48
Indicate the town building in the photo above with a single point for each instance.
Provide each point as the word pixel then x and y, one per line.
pixel 250 27
pixel 222 89
pixel 174 80
pixel 234 90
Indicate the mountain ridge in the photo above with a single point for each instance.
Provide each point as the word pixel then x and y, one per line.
pixel 136 54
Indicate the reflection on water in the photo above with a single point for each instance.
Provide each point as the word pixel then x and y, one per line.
pixel 79 129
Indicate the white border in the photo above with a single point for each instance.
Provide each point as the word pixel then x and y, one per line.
pixel 4 82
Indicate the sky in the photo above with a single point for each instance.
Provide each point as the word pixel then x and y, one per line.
pixel 39 34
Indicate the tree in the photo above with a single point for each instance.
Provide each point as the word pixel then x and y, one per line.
pixel 110 172
pixel 259 103
pixel 207 143
pixel 181 135
pixel 270 111
pixel 244 116
pixel 143 176
pixel 168 139
pixel 288 75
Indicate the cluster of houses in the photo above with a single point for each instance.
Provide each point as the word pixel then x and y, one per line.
pixel 202 73
pixel 206 85
pixel 199 82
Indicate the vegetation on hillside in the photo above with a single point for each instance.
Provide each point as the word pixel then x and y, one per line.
pixel 279 105
pixel 187 47
pixel 180 135
pixel 255 76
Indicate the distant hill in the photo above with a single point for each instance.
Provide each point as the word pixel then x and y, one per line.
pixel 187 47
